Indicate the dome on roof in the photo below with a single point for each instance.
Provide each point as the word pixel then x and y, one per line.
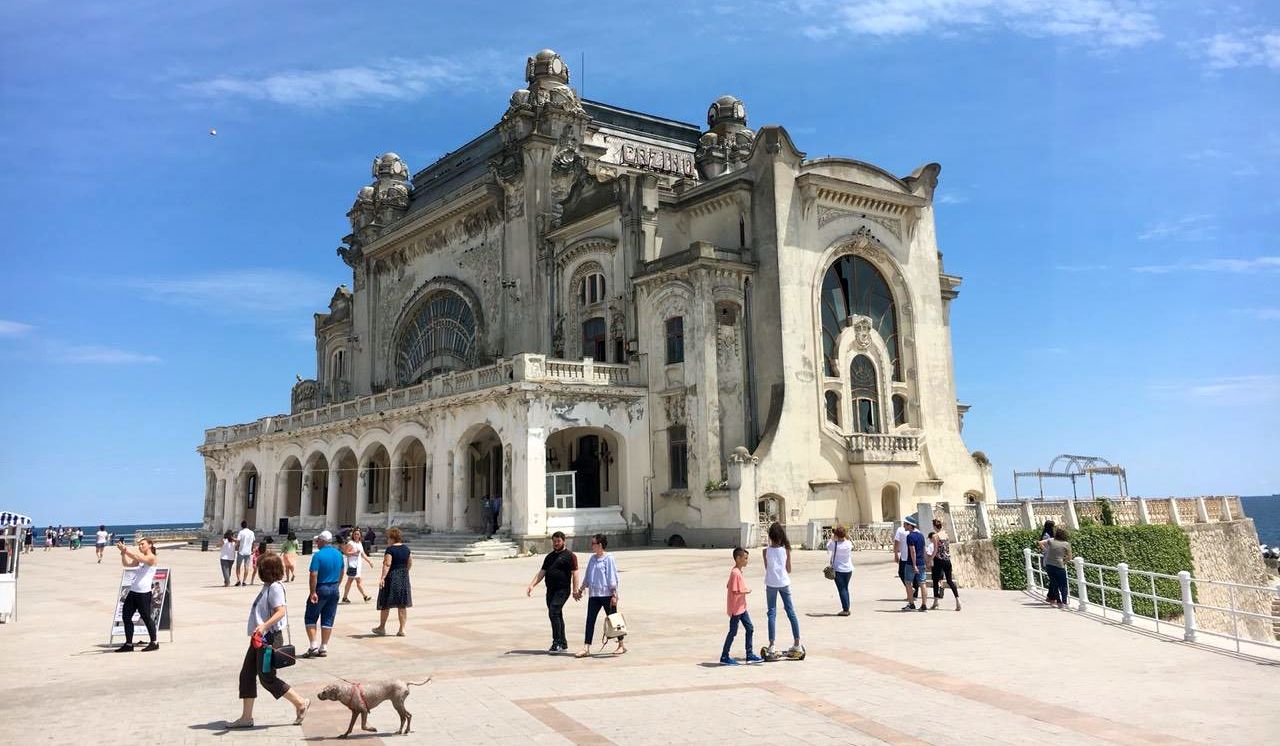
pixel 727 109
pixel 546 64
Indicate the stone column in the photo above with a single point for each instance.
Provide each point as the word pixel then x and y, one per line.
pixel 529 481
pixel 982 519
pixel 210 499
pixel 229 518
pixel 508 495
pixel 1226 509
pixel 362 493
pixel 1202 511
pixel 395 488
pixel 305 499
pixel 1144 517
pixel 1028 514
pixel 331 504
pixel 1173 512
pixel 219 506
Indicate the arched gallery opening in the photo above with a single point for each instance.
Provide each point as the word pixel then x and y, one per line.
pixel 483 470
pixel 583 468
pixel 348 474
pixel 315 486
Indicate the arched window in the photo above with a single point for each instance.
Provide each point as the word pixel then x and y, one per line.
pixel 899 409
pixel 439 336
pixel 852 286
pixel 833 408
pixel 594 333
pixel 864 392
pixel 251 491
pixel 592 289
pixel 338 365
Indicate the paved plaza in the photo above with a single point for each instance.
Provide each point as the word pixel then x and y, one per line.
pixel 1005 670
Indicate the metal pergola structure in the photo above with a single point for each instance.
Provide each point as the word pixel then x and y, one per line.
pixel 1069 466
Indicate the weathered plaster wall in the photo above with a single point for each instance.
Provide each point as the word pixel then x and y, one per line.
pixel 976 564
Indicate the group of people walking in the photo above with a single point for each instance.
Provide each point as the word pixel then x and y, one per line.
pixel 920 557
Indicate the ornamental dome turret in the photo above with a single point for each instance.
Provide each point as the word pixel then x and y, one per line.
pixel 727 143
pixel 546 64
pixel 548 85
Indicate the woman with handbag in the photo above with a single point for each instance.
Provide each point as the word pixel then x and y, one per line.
pixel 268 618
pixel 600 582
pixel 841 567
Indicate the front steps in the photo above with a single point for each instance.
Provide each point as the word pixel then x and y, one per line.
pixel 451 547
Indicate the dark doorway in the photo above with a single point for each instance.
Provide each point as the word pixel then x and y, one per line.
pixel 587 466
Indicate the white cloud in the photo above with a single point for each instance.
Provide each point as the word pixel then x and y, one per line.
pixel 14 329
pixel 1095 23
pixel 1249 389
pixel 96 354
pixel 1186 228
pixel 1251 48
pixel 1234 266
pixel 251 291
pixel 951 199
pixel 394 80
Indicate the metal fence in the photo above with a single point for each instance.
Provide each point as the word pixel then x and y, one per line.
pixel 1177 604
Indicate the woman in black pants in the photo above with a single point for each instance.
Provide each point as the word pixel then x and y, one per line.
pixel 942 563
pixel 267 620
pixel 143 560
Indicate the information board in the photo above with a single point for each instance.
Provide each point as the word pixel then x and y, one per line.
pixel 161 604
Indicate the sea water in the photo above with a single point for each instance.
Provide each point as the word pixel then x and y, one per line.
pixel 1265 512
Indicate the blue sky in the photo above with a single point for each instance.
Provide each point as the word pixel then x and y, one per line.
pixel 1105 192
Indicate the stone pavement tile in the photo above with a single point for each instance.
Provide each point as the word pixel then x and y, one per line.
pixel 985 671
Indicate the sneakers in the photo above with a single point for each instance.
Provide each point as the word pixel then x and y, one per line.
pixel 379 631
pixel 753 658
pixel 909 607
pixel 727 661
pixel 241 723
pixel 795 651
pixel 844 612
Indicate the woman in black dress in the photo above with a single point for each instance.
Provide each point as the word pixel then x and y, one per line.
pixel 393 586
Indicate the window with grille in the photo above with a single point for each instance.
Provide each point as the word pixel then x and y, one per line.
pixel 675 340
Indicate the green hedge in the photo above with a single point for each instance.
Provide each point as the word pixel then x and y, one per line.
pixel 1162 549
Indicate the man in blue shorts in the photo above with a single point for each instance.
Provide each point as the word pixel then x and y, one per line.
pixel 322 604
pixel 913 580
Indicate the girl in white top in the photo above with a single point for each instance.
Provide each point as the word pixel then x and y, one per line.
pixel 355 552
pixel 227 557
pixel 100 541
pixel 138 600
pixel 840 550
pixel 777 582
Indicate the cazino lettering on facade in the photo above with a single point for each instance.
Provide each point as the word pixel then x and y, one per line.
pixel 657 159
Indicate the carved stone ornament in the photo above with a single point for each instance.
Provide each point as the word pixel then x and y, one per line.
pixel 548 79
pixel 862 334
pixel 306 395
pixel 377 206
pixel 674 407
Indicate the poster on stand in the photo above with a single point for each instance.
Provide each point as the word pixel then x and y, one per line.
pixel 161 605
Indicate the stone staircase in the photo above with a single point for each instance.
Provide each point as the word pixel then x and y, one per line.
pixel 451 547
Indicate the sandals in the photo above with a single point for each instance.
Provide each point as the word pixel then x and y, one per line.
pixel 379 631
pixel 400 633
pixel 366 598
pixel 581 654
pixel 302 713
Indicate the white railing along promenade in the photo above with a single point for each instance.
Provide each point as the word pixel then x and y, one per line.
pixel 524 367
pixel 1233 611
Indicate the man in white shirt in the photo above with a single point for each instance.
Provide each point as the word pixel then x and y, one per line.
pixel 244 554
pixel 900 549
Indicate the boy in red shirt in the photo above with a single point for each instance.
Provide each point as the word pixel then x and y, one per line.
pixel 737 608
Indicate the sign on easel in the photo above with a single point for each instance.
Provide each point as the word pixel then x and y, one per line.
pixel 161 605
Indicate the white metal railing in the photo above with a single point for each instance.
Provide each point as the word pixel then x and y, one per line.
pixel 1230 622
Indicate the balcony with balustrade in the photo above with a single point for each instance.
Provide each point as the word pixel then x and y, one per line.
pixel 883 448
pixel 520 369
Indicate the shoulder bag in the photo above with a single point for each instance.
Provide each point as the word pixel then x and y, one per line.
pixel 276 657
pixel 829 572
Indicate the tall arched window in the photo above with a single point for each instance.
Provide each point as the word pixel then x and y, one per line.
pixel 439 336
pixel 338 365
pixel 592 289
pixel 864 392
pixel 853 286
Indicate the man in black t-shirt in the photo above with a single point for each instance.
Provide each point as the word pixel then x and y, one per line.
pixel 560 570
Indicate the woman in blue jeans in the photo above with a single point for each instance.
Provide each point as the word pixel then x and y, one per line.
pixel 600 582
pixel 777 582
pixel 1057 553
pixel 840 550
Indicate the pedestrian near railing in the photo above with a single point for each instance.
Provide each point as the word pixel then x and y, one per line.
pixel 1118 588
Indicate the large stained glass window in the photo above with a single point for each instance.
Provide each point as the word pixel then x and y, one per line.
pixel 440 336
pixel 853 286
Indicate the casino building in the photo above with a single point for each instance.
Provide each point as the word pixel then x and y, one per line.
pixel 620 323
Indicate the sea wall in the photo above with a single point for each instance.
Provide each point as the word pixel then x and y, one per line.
pixel 976 564
pixel 1228 552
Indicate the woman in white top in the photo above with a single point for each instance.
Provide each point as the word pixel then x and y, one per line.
pixel 355 552
pixel 268 618
pixel 777 582
pixel 227 557
pixel 143 560
pixel 841 551
pixel 100 542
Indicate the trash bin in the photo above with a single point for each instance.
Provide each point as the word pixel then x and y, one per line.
pixel 306 546
pixel 204 545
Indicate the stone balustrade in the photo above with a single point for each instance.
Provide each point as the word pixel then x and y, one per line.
pixel 520 368
pixel 883 448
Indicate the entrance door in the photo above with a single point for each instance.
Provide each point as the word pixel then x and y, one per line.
pixel 587 465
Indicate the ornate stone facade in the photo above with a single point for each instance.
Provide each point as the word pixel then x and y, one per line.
pixel 785 318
